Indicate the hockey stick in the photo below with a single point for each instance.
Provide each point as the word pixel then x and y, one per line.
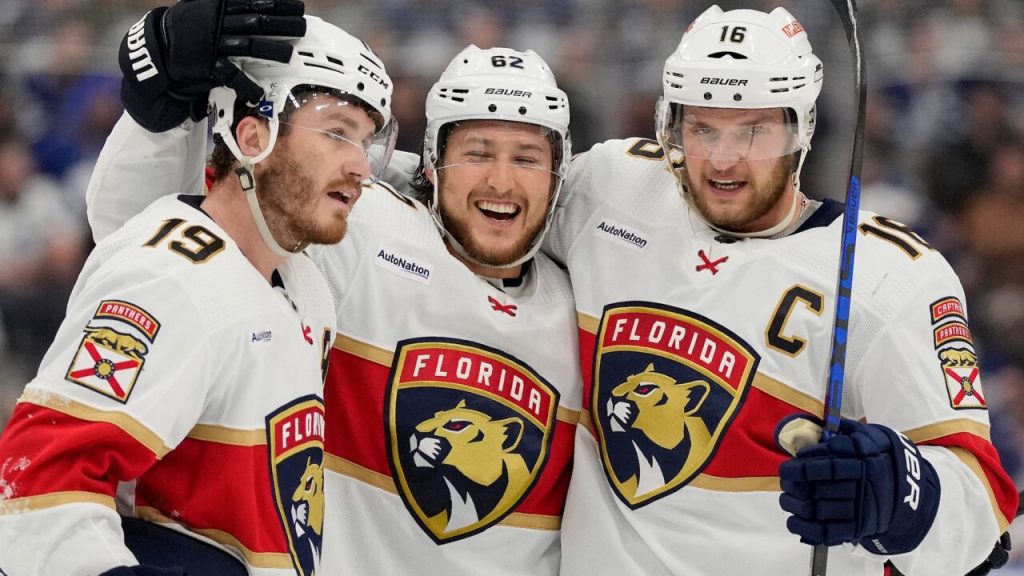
pixel 847 10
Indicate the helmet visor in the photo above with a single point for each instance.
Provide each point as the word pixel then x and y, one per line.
pixel 344 122
pixel 732 133
pixel 527 151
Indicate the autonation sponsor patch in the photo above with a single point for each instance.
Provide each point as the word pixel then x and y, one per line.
pixel 402 265
pixel 615 232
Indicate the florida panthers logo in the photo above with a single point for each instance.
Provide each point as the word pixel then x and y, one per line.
pixel 469 431
pixel 295 443
pixel 667 384
pixel 474 454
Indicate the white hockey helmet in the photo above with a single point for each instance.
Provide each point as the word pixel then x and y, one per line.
pixel 498 84
pixel 329 60
pixel 326 57
pixel 743 59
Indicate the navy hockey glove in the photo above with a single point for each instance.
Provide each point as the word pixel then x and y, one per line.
pixel 867 484
pixel 175 55
pixel 144 571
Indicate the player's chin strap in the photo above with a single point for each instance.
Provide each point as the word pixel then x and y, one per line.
pixel 248 183
pixel 247 180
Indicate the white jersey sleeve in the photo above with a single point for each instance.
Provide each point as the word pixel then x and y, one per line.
pixel 183 389
pixel 136 167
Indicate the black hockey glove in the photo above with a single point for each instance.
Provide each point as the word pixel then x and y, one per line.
pixel 998 558
pixel 867 484
pixel 175 55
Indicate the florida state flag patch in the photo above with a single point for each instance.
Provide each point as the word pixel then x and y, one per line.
pixel 469 430
pixel 111 355
pixel 955 350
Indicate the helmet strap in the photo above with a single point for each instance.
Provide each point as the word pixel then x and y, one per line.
pixel 248 183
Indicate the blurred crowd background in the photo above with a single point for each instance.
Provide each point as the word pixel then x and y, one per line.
pixel 944 138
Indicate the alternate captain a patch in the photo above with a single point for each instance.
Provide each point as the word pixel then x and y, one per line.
pixel 469 430
pixel 667 385
pixel 295 445
pixel 957 358
pixel 113 349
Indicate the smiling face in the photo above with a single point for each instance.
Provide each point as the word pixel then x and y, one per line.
pixel 738 166
pixel 495 188
pixel 309 183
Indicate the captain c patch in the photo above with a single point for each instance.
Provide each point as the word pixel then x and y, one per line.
pixel 110 356
pixel 667 385
pixel 469 429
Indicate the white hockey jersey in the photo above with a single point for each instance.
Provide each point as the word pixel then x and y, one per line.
pixel 695 344
pixel 451 403
pixel 186 388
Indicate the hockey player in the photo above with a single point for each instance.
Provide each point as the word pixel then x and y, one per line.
pixel 453 392
pixel 186 381
pixel 704 281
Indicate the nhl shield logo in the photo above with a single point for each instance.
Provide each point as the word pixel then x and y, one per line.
pixel 295 445
pixel 667 385
pixel 469 429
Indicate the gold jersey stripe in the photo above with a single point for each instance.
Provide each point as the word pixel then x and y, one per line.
pixel 367 476
pixel 347 468
pixel 588 323
pixel 224 435
pixel 42 502
pixel 587 422
pixel 788 394
pixel 972 462
pixel 531 521
pixel 125 422
pixel 568 415
pixel 948 427
pixel 363 350
pixel 276 560
pixel 748 484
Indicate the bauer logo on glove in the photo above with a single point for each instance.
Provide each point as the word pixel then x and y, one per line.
pixel 868 484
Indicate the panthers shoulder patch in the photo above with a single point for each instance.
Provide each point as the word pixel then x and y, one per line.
pixel 113 349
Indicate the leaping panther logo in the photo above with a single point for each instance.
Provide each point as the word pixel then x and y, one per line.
pixel 659 413
pixel 474 455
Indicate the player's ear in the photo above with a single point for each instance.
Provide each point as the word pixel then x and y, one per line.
pixel 429 173
pixel 252 135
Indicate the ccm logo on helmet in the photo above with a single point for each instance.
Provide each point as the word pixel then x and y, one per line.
pixel 723 81
pixel 508 92
pixel 373 76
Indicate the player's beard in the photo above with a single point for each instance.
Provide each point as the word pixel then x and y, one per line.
pixel 766 196
pixel 489 256
pixel 289 201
